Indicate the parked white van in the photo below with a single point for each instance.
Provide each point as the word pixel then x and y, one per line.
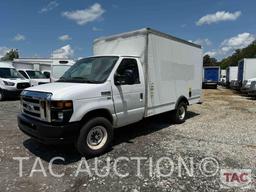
pixel 11 82
pixel 132 76
pixel 35 77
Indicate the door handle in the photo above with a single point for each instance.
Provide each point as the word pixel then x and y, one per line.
pixel 141 96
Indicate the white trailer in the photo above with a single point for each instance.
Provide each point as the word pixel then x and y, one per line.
pixel 131 76
pixel 246 69
pixel 232 73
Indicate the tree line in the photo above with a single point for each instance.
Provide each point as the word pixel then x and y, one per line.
pixel 247 52
pixel 10 55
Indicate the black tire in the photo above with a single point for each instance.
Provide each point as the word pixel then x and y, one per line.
pixel 83 145
pixel 179 118
pixel 2 96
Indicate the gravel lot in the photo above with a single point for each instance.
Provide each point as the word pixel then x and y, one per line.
pixel 223 128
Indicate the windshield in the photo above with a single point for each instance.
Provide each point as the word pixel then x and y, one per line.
pixel 58 71
pixel 36 75
pixel 90 70
pixel 10 73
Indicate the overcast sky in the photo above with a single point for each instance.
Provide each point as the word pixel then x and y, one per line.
pixel 65 28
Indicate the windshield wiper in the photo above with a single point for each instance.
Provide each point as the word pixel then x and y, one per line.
pixel 78 80
pixel 92 81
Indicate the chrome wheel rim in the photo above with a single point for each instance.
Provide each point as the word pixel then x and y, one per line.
pixel 97 137
pixel 182 112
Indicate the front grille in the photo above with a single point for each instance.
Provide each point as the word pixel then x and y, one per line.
pixel 31 113
pixel 31 100
pixel 36 105
pixel 23 85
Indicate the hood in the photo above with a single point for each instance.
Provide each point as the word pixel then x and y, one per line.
pixel 72 91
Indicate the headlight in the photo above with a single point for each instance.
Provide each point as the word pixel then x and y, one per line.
pixel 9 83
pixel 62 104
pixel 61 111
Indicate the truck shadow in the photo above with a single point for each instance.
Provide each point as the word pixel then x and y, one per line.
pixel 122 135
pixel 145 127
pixel 251 98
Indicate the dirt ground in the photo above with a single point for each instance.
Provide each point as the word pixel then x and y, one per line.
pixel 220 134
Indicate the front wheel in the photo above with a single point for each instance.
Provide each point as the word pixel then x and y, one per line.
pixel 1 95
pixel 95 137
pixel 180 113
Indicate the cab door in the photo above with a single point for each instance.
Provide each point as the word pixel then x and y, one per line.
pixel 129 92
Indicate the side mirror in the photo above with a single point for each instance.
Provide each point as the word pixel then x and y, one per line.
pixel 127 78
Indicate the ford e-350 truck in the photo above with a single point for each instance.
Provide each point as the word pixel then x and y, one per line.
pixel 132 76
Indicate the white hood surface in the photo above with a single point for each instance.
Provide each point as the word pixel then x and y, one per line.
pixel 70 91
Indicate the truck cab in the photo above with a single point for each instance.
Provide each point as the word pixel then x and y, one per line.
pixel 11 81
pixel 35 77
pixel 109 87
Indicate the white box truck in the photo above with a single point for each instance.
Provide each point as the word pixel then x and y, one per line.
pixel 211 76
pixel 131 76
pixel 11 82
pixel 232 72
pixel 246 73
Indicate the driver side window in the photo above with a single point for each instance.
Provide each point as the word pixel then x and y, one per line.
pixel 131 66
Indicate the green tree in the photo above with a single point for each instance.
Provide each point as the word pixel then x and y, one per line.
pixel 247 52
pixel 10 55
pixel 209 61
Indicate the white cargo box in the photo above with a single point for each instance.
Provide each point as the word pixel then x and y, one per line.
pixel 232 72
pixel 172 66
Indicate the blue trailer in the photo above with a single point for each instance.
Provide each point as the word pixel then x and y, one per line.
pixel 211 76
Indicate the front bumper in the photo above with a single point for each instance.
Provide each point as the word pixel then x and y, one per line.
pixel 48 133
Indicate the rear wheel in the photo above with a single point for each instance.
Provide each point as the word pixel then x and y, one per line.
pixel 95 137
pixel 180 113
